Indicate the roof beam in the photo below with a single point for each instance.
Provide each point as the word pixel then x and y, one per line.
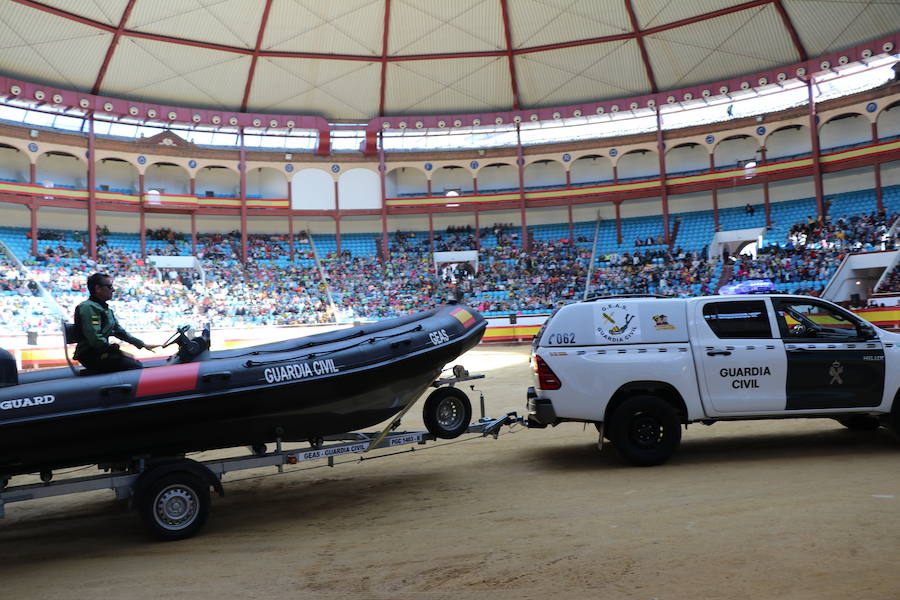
pixel 640 41
pixel 259 39
pixel 112 47
pixel 384 57
pixel 789 25
pixel 157 37
pixel 509 55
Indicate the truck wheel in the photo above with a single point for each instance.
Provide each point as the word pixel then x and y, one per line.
pixel 645 431
pixel 175 506
pixel 447 413
pixel 894 419
pixel 860 422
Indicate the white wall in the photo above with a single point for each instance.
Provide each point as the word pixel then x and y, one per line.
pixel 685 203
pixel 265 225
pixel 546 216
pixel 786 142
pixel 448 179
pixel 116 221
pixel 117 174
pixel 360 225
pixel 221 182
pixel 687 159
pixel 14 165
pixel 312 189
pixel 268 183
pixel 179 223
pixel 792 189
pixel 729 152
pixel 890 173
pixel 889 122
pixel 546 174
pixel 742 196
pixel 498 178
pixel 62 170
pixel 172 179
pixel 503 216
pixel 409 223
pixel 406 180
pixel 586 170
pixel 848 181
pixel 848 130
pixel 217 223
pixel 442 221
pixel 641 208
pixel 638 164
pixel 15 215
pixel 359 188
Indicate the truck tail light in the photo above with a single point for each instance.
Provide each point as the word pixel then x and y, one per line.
pixel 547 379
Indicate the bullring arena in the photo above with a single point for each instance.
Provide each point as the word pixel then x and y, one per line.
pixel 281 168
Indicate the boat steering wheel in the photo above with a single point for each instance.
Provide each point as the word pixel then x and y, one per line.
pixel 178 337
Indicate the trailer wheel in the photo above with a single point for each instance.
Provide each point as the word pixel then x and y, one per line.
pixel 645 431
pixel 860 422
pixel 175 506
pixel 447 413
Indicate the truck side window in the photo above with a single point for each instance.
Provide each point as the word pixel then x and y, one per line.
pixel 805 319
pixel 744 319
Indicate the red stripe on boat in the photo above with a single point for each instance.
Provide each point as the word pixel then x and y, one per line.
pixel 463 316
pixel 156 381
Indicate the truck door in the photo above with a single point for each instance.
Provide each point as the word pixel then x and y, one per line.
pixel 832 360
pixel 740 363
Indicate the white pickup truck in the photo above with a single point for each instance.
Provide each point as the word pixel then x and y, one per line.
pixel 640 367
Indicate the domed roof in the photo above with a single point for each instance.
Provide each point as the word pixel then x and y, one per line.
pixel 359 59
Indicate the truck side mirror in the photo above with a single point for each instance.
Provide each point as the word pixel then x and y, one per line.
pixel 867 332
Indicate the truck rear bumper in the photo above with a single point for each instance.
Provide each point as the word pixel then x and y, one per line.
pixel 540 411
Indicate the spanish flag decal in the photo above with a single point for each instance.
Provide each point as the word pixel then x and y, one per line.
pixel 463 316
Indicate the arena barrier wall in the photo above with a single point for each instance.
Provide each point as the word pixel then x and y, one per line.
pixel 505 329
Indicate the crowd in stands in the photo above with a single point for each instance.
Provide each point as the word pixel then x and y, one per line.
pixel 891 283
pixel 671 273
pixel 270 289
pixel 807 260
pixel 856 233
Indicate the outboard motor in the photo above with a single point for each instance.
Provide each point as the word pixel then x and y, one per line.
pixel 9 374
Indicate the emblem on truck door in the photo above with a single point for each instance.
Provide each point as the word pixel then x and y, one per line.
pixel 835 371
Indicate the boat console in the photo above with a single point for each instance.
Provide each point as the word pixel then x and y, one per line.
pixel 190 349
pixel 9 375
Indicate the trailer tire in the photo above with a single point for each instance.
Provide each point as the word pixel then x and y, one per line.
pixel 645 431
pixel 447 413
pixel 175 506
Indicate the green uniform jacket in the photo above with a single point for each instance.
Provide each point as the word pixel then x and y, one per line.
pixel 95 322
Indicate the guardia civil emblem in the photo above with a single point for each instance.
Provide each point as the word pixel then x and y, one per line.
pixel 836 370
pixel 617 322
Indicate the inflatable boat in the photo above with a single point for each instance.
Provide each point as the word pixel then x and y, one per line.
pixel 295 390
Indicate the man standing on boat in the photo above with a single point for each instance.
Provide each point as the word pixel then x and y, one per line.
pixel 96 322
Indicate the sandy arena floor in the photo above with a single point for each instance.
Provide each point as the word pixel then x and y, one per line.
pixel 778 509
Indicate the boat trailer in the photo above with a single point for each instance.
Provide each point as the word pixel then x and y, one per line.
pixel 172 495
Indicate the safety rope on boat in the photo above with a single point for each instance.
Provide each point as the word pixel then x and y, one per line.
pixel 311 355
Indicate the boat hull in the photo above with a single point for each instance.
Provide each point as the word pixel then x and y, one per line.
pixel 236 398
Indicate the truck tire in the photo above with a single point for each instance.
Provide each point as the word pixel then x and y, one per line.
pixel 174 506
pixel 860 422
pixel 894 419
pixel 447 413
pixel 645 431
